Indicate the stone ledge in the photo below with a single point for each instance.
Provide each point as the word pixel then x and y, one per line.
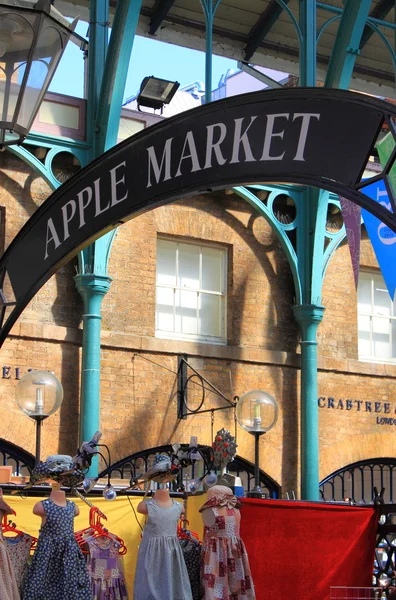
pixel 129 342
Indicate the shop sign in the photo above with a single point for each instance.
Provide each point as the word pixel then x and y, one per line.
pixel 307 136
pixel 382 410
pixel 11 372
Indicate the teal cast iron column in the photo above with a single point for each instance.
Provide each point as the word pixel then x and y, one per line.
pixel 308 317
pixel 108 67
pixel 307 314
pixel 209 9
pixel 92 289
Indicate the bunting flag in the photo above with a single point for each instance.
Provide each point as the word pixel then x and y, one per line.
pixel 382 238
pixel 351 213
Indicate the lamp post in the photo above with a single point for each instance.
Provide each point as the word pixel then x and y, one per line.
pixel 39 394
pixel 33 37
pixel 257 413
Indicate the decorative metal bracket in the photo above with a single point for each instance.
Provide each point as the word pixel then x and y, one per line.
pixel 183 379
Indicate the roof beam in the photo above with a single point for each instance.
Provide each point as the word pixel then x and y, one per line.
pixel 250 70
pixel 160 10
pixel 347 43
pixel 262 27
pixel 379 11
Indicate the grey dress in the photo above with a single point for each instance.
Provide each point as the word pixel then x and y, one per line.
pixel 161 572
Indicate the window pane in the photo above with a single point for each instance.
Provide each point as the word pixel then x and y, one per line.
pixel 210 321
pixel 188 266
pixel 381 341
pixel 393 325
pixel 382 302
pixel 364 335
pixel 186 312
pixel 212 260
pixel 166 262
pixel 165 297
pixel 364 294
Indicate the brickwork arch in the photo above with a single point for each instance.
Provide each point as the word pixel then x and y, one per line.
pixel 356 448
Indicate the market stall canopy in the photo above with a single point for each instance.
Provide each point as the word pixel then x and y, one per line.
pixel 263 33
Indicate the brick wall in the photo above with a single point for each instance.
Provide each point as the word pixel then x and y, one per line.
pixel 138 401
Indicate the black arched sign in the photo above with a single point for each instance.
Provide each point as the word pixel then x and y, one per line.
pixel 309 136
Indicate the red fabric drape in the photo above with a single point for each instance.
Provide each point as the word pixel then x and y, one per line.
pixel 297 550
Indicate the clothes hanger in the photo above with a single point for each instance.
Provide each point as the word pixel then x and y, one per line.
pixel 96 530
pixel 8 526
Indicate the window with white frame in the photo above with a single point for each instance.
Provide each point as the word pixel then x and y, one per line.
pixel 376 319
pixel 191 291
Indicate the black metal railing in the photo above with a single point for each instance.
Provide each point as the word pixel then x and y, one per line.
pixel 358 480
pixel 135 464
pixel 14 456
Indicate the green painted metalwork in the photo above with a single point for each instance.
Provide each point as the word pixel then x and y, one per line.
pixel 293 19
pixel 93 282
pixel 98 43
pixel 308 318
pixel 379 11
pixel 306 244
pixel 92 289
pixel 307 18
pixel 386 42
pixel 36 165
pixel 347 44
pixel 209 9
pixel 265 210
pixel 308 257
pixel 370 19
pixel 325 25
pixel 115 72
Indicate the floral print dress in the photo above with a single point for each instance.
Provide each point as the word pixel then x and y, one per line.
pixel 58 570
pixel 225 564
pixel 19 551
pixel 8 585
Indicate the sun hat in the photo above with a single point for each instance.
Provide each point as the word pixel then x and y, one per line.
pixel 221 495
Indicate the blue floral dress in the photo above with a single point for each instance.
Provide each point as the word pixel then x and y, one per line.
pixel 58 570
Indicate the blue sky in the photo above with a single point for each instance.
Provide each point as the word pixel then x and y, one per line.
pixel 149 57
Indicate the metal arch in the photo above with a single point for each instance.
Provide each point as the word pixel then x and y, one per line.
pixel 146 199
pixel 10 451
pixel 336 240
pixel 360 466
pixel 379 12
pixel 376 30
pixel 321 30
pixel 36 164
pixel 278 228
pixel 292 18
pixel 126 466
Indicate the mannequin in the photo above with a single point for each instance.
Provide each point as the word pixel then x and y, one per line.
pixel 161 572
pixel 58 497
pixel 8 583
pixel 221 517
pixel 58 568
pixel 162 498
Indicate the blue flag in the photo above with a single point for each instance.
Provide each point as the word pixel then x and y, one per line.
pixel 382 238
